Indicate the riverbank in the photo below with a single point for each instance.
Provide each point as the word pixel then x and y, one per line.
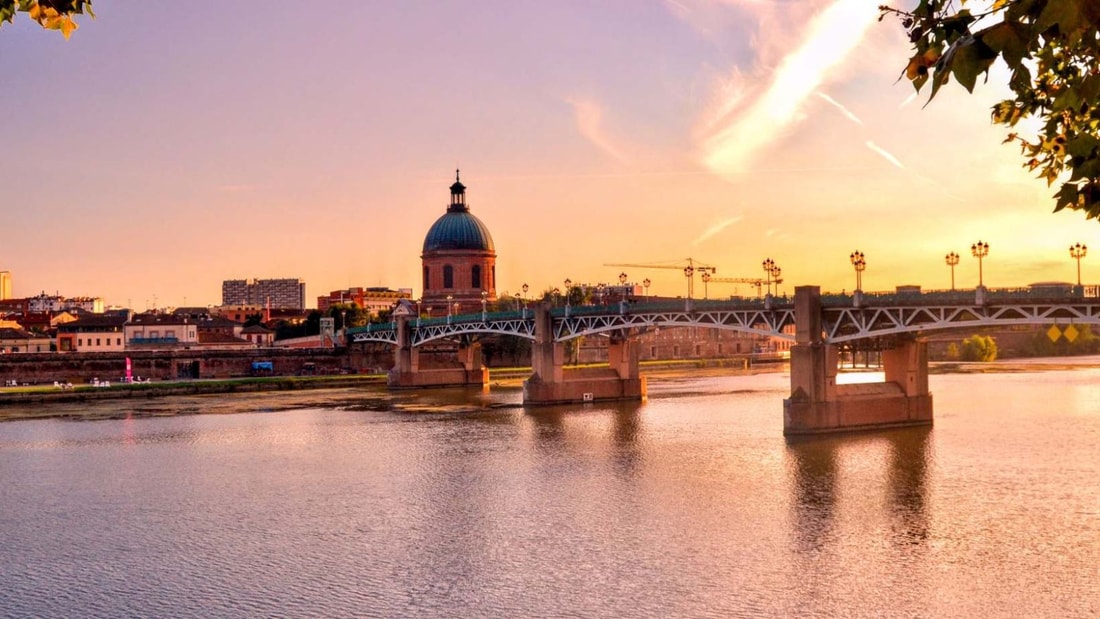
pixel 41 401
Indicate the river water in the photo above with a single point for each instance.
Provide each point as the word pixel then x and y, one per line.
pixel 457 504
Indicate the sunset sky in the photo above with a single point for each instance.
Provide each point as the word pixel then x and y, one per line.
pixel 168 146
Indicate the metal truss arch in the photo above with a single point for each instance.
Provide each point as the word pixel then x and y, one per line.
pixel 765 322
pixel 849 324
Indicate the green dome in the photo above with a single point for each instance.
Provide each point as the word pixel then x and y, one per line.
pixel 458 229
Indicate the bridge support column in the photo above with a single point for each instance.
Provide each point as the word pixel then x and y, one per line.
pixel 551 383
pixel 407 373
pixel 818 405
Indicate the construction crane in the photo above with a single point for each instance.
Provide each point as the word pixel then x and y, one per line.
pixel 759 283
pixel 690 269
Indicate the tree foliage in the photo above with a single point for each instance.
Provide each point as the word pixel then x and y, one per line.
pixel 50 14
pixel 1085 343
pixel 1051 48
pixel 978 348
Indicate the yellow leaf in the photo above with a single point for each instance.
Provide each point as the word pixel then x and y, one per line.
pixel 67 26
pixel 36 13
pixel 1000 4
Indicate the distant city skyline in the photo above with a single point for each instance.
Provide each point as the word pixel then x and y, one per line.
pixel 167 147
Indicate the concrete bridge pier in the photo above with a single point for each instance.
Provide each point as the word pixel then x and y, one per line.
pixel 551 383
pixel 407 373
pixel 818 405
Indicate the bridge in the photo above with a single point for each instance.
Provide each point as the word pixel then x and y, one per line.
pixel 818 325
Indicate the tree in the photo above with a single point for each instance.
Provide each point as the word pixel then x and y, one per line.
pixel 978 348
pixel 952 353
pixel 1051 48
pixel 50 14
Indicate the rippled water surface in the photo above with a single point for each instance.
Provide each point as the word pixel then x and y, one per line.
pixel 464 505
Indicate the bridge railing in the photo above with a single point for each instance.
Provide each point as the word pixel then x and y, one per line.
pixel 964 296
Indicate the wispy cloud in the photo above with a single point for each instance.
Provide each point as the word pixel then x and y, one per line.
pixel 843 110
pixel 883 153
pixel 589 117
pixel 831 36
pixel 716 228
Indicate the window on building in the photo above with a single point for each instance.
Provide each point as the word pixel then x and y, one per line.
pixel 698 350
pixel 653 352
pixel 427 272
pixel 79 341
pixel 170 333
pixel 475 276
pixel 719 349
pixel 118 341
pixel 448 276
pixel 675 350
pixel 97 342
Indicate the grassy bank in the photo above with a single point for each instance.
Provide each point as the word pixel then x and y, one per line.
pixel 81 393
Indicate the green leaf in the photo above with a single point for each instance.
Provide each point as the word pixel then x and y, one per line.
pixel 1066 196
pixel 971 60
pixel 1062 13
pixel 1007 38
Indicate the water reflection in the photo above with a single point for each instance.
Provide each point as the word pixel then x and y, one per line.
pixel 814 485
pixel 909 457
pixel 818 462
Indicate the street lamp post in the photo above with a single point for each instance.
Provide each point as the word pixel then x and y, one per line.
pixel 418 312
pixel 600 290
pixel 859 263
pixel 568 289
pixel 449 298
pixel 952 259
pixel 980 250
pixel 769 268
pixel 688 272
pixel 645 284
pixel 484 298
pixel 706 279
pixel 1078 251
pixel 525 288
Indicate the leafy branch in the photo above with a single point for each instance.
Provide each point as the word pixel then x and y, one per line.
pixel 1051 48
pixel 50 14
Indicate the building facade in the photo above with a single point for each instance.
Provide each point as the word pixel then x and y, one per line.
pixel 374 300
pixel 14 340
pixel 458 260
pixel 46 303
pixel 160 331
pixel 96 333
pixel 282 293
pixel 5 285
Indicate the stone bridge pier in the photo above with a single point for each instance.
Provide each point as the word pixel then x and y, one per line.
pixel 818 404
pixel 552 383
pixel 407 373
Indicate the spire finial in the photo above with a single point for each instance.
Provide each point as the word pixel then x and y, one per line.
pixel 456 175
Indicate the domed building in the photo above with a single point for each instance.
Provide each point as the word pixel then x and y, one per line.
pixel 459 259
